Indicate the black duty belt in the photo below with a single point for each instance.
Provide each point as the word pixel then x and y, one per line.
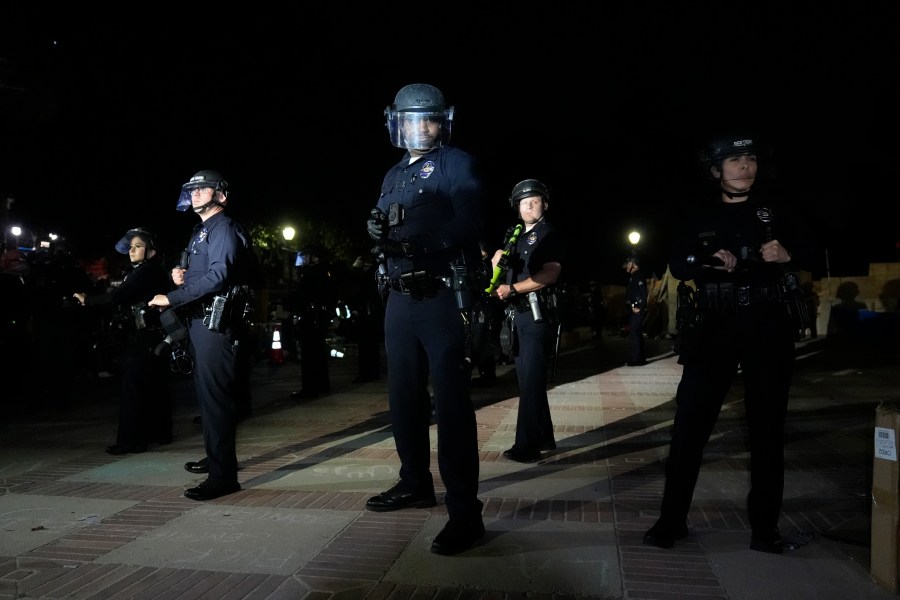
pixel 418 284
pixel 193 310
pixel 727 297
pixel 521 303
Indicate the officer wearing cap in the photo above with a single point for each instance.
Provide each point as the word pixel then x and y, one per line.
pixel 739 249
pixel 145 405
pixel 534 267
pixel 211 291
pixel 427 224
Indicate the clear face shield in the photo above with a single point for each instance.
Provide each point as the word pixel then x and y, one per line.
pixel 188 190
pixel 419 130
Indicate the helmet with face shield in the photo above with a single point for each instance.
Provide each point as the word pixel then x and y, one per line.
pixel 419 118
pixel 201 180
pixel 124 244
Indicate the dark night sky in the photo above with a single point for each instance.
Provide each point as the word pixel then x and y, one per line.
pixel 104 116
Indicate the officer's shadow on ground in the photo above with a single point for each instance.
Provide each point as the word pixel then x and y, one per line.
pixel 639 432
pixel 810 423
pixel 377 428
pixel 573 364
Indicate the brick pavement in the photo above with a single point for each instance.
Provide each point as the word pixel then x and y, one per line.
pixel 80 524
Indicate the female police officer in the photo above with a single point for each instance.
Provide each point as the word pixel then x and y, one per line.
pixel 145 407
pixel 738 250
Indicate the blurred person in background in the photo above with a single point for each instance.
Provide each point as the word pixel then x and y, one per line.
pixel 312 303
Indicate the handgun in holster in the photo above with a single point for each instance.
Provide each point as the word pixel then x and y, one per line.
pixel 229 309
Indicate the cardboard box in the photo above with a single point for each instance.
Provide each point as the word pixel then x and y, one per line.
pixel 886 496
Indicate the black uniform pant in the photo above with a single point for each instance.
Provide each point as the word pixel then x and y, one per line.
pixel 145 406
pixel 216 385
pixel 759 340
pixel 636 338
pixel 486 339
pixel 534 426
pixel 312 334
pixel 425 339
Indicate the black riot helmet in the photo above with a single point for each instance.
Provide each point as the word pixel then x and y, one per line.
pixel 415 105
pixel 201 179
pixel 728 146
pixel 736 144
pixel 527 188
pixel 124 244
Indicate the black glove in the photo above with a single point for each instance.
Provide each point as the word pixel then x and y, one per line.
pixel 377 225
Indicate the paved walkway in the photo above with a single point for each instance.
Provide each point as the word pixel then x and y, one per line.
pixel 77 523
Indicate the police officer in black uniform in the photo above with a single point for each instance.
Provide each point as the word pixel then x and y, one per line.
pixel 741 250
pixel 145 406
pixel 427 223
pixel 313 303
pixel 636 305
pixel 213 291
pixel 534 267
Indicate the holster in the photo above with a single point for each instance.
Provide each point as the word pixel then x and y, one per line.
pixel 228 310
pixel 418 284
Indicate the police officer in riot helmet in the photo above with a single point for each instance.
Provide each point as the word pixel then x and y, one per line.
pixel 427 224
pixel 742 250
pixel 534 268
pixel 145 404
pixel 212 292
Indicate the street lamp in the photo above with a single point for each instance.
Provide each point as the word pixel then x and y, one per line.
pixel 16 231
pixel 288 233
pixel 634 237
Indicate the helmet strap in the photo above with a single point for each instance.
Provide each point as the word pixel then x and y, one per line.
pixel 733 195
pixel 205 207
